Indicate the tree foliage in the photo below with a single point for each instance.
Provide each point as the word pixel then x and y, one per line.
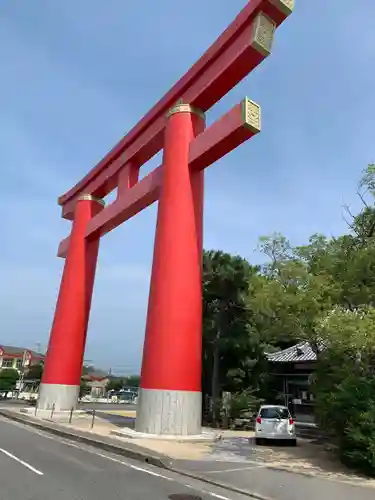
pixel 84 388
pixel 132 380
pixel 287 299
pixel 8 379
pixel 344 384
pixel 34 372
pixel 118 383
pixel 322 292
pixel 228 349
pixel 115 384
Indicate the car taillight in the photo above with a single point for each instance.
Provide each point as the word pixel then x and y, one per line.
pixel 259 420
pixel 291 421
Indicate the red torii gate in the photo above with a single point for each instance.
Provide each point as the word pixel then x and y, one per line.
pixel 170 393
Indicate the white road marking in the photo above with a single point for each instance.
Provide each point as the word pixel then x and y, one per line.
pixel 126 464
pixel 218 496
pixel 25 464
pixel 131 466
pixel 93 452
pixel 206 492
pixel 152 473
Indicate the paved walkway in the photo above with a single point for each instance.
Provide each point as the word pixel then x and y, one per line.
pixel 234 461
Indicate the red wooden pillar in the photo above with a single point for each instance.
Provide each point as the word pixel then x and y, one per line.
pixel 63 365
pixel 170 394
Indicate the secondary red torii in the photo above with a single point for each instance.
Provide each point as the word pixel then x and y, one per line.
pixel 170 394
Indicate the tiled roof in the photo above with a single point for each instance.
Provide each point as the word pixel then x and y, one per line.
pixel 12 350
pixel 298 352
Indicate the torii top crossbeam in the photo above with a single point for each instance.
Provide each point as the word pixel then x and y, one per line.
pixel 237 51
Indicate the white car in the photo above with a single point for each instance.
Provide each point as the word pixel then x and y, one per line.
pixel 275 423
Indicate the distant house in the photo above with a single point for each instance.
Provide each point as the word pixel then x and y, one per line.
pixel 299 353
pixel 292 368
pixel 97 382
pixel 18 357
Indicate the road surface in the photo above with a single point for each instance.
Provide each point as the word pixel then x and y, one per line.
pixel 39 466
pixel 107 406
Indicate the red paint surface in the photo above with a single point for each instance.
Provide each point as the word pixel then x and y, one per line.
pixel 173 340
pixel 63 363
pixel 216 141
pixel 222 66
pixel 172 348
pixel 128 178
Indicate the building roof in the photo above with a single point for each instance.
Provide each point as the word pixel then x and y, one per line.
pixel 18 351
pixel 298 352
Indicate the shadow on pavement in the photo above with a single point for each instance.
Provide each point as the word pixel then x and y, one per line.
pixel 117 420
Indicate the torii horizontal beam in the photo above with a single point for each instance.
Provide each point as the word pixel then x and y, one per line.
pixel 241 123
pixel 242 46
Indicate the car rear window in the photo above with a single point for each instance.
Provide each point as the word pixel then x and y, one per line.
pixel 274 413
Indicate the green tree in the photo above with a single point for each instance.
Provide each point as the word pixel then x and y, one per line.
pixel 348 263
pixel 84 388
pixel 132 380
pixel 354 264
pixel 225 324
pixel 344 384
pixel 87 369
pixel 8 379
pixel 287 299
pixel 115 384
pixel 35 372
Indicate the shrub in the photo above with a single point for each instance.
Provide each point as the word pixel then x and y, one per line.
pixel 344 386
pixel 357 443
pixel 8 379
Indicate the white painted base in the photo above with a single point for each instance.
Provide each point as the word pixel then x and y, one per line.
pixel 172 413
pixel 64 397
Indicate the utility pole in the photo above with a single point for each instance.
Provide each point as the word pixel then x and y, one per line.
pixel 20 381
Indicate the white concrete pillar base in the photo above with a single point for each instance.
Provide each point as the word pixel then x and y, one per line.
pixel 167 412
pixel 64 397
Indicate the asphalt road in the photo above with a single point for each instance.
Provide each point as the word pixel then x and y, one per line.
pixel 107 406
pixel 38 466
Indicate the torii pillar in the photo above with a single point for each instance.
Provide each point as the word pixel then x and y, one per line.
pixel 170 394
pixel 63 365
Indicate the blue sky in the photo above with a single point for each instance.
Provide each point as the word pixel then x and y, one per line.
pixel 76 75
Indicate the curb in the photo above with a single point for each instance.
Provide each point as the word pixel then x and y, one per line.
pixel 160 462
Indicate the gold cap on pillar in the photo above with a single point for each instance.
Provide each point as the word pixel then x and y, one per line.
pixel 251 115
pixel 262 35
pixel 180 107
pixel 284 6
pixel 90 197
